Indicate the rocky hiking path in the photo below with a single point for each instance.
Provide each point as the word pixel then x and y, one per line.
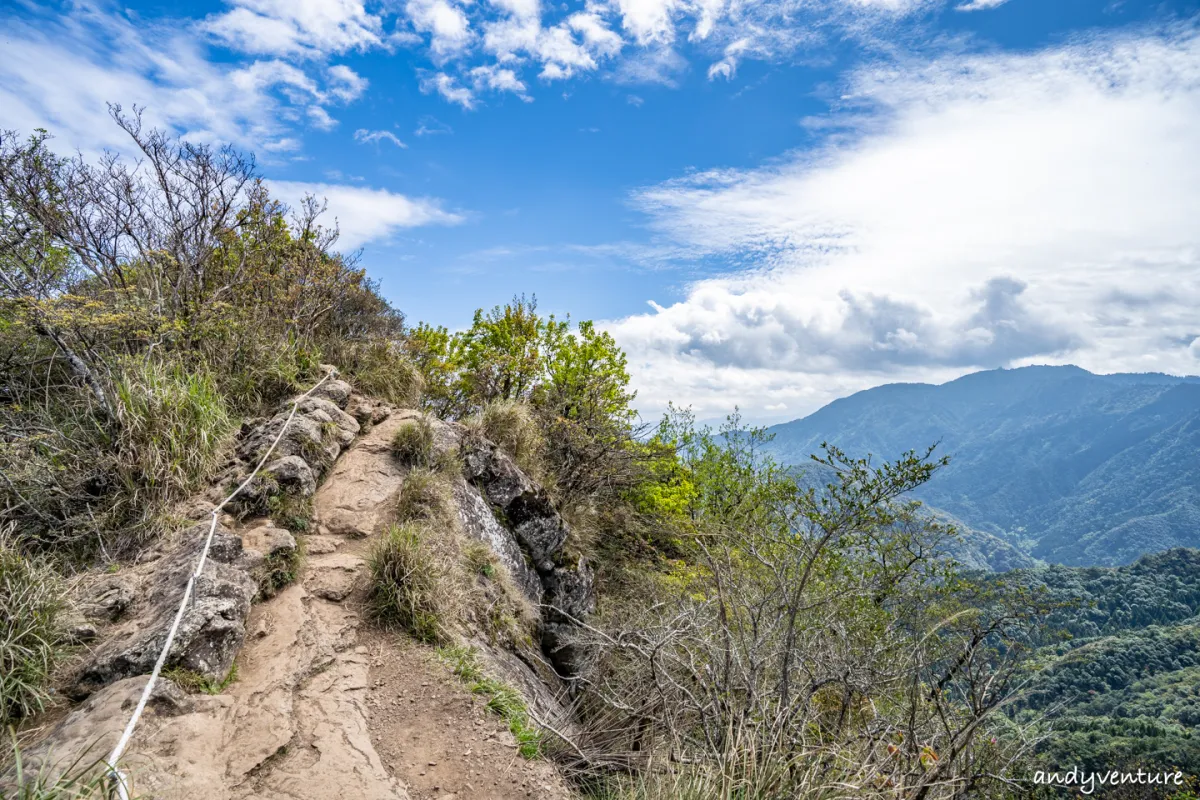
pixel 324 705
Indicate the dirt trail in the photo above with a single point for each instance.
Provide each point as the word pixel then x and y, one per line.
pixel 324 706
pixel 439 738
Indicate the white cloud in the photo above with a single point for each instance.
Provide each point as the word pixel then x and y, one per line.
pixel 296 27
pixel 449 88
pixel 60 71
pixel 980 5
pixel 499 79
pixel 660 65
pixel 990 210
pixel 446 23
pixel 649 21
pixel 431 126
pixel 319 118
pixel 364 136
pixel 365 215
pixel 345 84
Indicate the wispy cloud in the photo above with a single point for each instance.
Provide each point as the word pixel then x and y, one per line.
pixel 363 214
pixel 981 211
pixel 431 126
pixel 61 70
pixel 364 136
pixel 980 5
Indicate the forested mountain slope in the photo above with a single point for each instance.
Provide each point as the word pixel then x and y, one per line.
pixel 1119 662
pixel 1074 468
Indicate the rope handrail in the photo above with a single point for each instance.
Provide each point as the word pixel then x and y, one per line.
pixel 120 784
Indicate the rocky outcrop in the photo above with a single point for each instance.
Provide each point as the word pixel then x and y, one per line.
pixel 212 627
pixel 139 605
pixel 567 591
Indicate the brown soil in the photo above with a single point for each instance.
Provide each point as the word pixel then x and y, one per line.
pixel 437 738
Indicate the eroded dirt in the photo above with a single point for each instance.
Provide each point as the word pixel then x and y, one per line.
pixel 438 738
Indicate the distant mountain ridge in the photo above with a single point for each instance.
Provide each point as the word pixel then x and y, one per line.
pixel 1069 466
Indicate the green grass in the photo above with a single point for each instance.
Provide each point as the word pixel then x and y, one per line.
pixel 413 443
pixel 78 780
pixel 279 570
pixel 408 584
pixel 424 496
pixel 31 598
pixel 291 511
pixel 194 683
pixel 501 699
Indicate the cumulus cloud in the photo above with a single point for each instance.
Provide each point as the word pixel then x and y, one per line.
pixel 446 23
pixel 345 84
pixel 448 87
pixel 364 214
pixel 982 211
pixel 296 27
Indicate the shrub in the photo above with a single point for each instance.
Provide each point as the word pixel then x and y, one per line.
pixel 409 584
pixel 424 496
pixel 380 369
pixel 31 597
pixel 413 443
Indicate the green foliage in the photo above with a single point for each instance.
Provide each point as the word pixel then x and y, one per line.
pixel 1118 664
pixel 31 598
pixel 78 780
pixel 512 354
pixel 413 443
pixel 279 570
pixel 195 683
pixel 502 700
pixel 408 584
pixel 126 351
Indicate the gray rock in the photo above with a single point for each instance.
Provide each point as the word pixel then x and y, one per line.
pixel 481 524
pixel 497 475
pixel 108 598
pixel 211 630
pixel 335 391
pixel 293 475
pixel 567 589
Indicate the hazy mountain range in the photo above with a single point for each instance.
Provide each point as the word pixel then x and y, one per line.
pixel 1058 463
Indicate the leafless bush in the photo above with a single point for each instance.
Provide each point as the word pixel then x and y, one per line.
pixel 823 649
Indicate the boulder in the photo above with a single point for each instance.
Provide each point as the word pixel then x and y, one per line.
pixel 210 632
pixel 567 589
pixel 335 391
pixel 293 475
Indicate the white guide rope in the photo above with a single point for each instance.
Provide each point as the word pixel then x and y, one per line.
pixel 120 784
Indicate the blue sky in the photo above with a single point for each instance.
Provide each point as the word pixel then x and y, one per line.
pixel 770 204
